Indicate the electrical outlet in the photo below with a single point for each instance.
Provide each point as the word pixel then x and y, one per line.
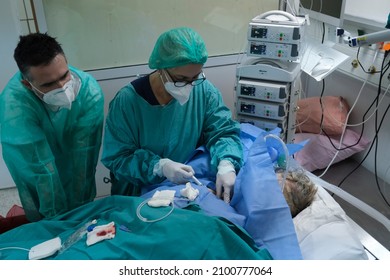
pixel 367 57
pixel 372 69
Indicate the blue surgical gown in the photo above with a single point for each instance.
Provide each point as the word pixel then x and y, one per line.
pixel 137 135
pixel 52 156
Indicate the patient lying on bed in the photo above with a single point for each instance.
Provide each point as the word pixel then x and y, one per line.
pixel 299 191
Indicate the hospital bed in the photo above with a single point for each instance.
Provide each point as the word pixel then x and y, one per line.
pixel 373 249
pixel 256 225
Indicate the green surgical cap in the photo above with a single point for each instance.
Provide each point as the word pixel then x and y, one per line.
pixel 178 47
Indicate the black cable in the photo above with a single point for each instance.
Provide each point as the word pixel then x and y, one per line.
pixel 330 139
pixel 377 128
pixel 326 134
pixel 361 66
pixel 376 100
pixel 363 122
pixel 377 132
pixel 321 125
pixel 375 162
pixel 369 150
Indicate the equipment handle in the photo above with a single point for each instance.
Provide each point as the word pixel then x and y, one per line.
pixel 277 12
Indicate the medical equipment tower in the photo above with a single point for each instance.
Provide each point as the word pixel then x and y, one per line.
pixel 267 86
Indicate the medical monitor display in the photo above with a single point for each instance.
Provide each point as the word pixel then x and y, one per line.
pixel 327 11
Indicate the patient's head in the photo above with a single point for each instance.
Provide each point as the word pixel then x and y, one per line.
pixel 299 190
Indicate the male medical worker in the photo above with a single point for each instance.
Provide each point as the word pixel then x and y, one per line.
pixel 51 117
pixel 156 122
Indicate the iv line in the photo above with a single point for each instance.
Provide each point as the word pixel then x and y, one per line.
pixel 142 218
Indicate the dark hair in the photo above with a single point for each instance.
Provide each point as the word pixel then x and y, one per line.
pixel 35 49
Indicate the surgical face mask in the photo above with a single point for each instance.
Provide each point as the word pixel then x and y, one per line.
pixel 61 97
pixel 181 94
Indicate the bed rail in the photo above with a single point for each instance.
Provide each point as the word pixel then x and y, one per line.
pixel 354 201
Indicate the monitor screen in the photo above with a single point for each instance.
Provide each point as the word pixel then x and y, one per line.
pixel 327 11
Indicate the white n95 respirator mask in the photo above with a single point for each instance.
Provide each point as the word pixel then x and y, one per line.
pixel 181 94
pixel 62 97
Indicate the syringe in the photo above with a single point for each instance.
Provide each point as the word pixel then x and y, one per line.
pixel 197 181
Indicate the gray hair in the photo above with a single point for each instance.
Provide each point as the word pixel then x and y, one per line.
pixel 299 191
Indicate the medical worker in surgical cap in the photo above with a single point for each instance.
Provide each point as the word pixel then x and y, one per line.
pixel 156 122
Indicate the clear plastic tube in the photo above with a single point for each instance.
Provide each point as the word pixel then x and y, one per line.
pixel 355 202
pixel 142 218
pixel 13 248
pixel 286 155
pixel 76 236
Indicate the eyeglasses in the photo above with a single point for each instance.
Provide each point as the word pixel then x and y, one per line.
pixel 201 79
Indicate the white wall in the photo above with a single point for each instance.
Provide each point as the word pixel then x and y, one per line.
pixel 9 30
pixel 135 25
pixel 372 12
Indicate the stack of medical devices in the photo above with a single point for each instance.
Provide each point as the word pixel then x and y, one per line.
pixel 275 35
pixel 267 89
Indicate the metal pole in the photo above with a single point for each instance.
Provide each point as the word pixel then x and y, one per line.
pixel 282 5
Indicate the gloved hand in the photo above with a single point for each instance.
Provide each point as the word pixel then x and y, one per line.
pixel 226 177
pixel 175 172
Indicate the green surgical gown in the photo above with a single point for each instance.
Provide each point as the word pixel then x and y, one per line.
pixel 137 135
pixel 52 156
